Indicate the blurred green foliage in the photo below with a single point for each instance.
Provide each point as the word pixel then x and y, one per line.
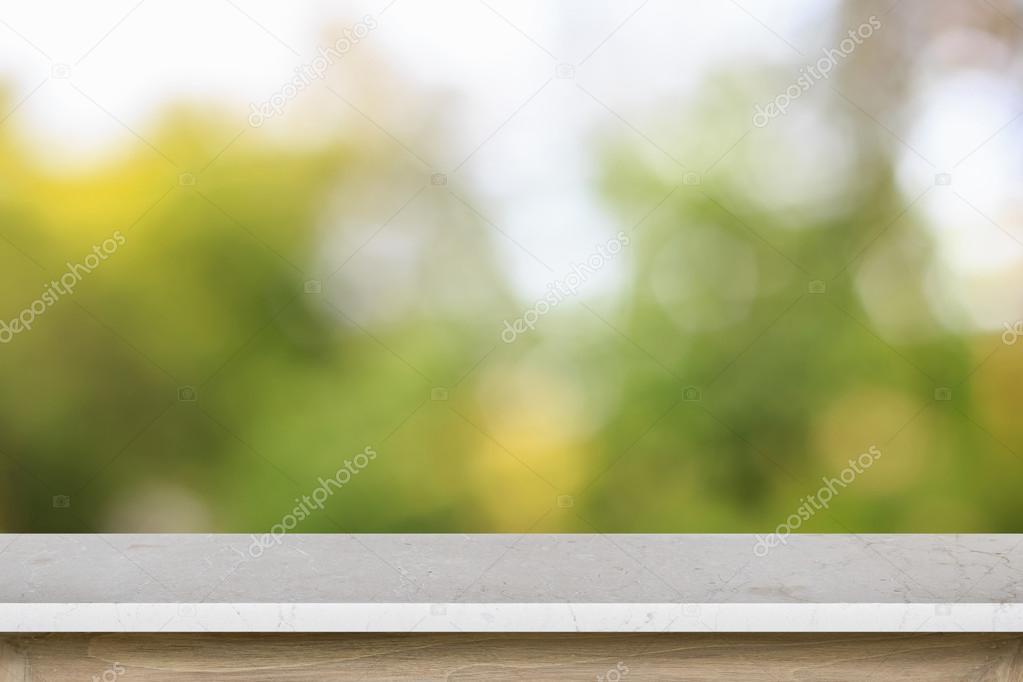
pixel 282 287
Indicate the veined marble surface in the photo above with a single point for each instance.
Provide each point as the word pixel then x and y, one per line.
pixel 511 583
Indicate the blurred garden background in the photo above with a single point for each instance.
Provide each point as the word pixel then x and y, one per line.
pixel 338 275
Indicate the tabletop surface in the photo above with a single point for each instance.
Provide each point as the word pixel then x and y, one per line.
pixel 806 569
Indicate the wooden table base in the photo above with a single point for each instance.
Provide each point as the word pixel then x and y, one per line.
pixel 610 657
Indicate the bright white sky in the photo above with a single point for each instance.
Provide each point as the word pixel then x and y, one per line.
pixel 132 56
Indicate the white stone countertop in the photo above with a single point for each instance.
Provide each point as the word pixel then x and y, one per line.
pixel 510 583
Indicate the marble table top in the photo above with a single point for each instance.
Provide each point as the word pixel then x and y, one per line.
pixel 513 583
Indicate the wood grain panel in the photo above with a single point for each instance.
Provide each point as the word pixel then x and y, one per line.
pixel 612 657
